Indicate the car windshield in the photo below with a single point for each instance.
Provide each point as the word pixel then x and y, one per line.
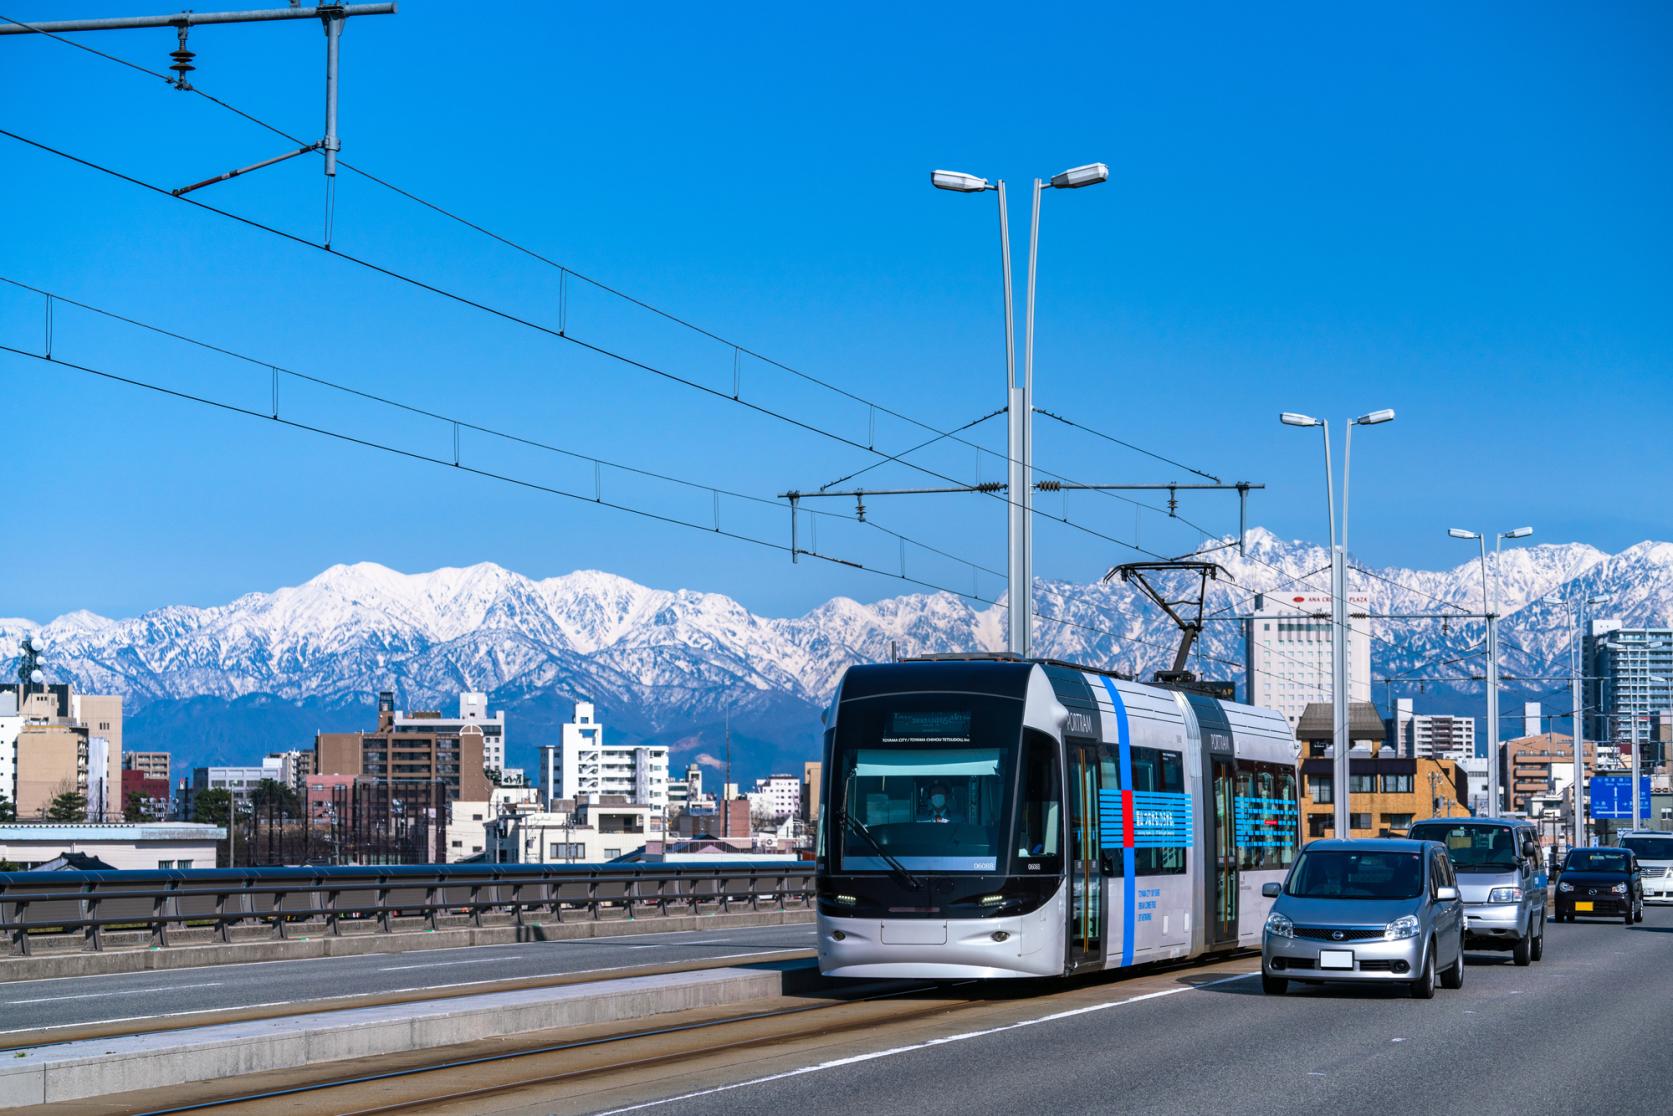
pixel 1351 874
pixel 1473 848
pixel 1650 848
pixel 1596 860
pixel 924 784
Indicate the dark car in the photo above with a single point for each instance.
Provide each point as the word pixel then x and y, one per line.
pixel 1599 881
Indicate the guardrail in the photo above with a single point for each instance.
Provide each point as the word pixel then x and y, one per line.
pixel 35 902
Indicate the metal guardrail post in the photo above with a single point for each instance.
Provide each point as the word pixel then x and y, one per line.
pixel 592 893
pixel 19 911
pixel 383 906
pixel 159 915
pixel 90 911
pixel 333 916
pixel 430 905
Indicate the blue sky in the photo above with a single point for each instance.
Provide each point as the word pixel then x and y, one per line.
pixel 1459 212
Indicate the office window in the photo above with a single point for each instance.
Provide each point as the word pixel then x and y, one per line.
pixel 1397 784
pixel 1318 825
pixel 1359 821
pixel 1361 784
pixel 1322 789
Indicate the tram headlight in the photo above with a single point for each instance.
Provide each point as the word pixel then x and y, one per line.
pixel 845 900
pixel 1279 926
pixel 1406 926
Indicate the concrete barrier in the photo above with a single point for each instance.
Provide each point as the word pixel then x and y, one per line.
pixel 266 948
pixel 100 1067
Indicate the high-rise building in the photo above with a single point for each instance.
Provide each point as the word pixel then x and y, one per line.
pixel 473 711
pixel 408 752
pixel 1430 735
pixel 1536 765
pixel 1630 679
pixel 64 743
pixel 1288 652
pixel 291 768
pixel 584 768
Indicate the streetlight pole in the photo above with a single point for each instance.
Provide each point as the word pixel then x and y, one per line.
pixel 1489 608
pixel 1340 698
pixel 1019 395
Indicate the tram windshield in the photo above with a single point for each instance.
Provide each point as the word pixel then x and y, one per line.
pixel 923 782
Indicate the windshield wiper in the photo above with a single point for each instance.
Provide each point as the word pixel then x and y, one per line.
pixel 895 866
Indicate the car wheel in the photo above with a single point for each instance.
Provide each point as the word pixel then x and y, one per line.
pixel 1523 951
pixel 1423 988
pixel 1639 917
pixel 1628 916
pixel 1454 977
pixel 1539 942
pixel 1274 986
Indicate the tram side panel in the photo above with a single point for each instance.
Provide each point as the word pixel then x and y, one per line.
pixel 1147 824
pixel 1266 810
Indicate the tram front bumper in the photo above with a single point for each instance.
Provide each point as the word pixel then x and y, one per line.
pixel 1308 959
pixel 942 949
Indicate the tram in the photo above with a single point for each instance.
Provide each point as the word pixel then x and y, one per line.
pixel 993 817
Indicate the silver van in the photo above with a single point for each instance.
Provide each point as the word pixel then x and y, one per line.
pixel 1367 910
pixel 1501 875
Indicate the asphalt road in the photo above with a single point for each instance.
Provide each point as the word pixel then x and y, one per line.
pixel 33 1004
pixel 1582 1030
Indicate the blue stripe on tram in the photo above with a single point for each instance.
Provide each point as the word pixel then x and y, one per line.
pixel 1129 885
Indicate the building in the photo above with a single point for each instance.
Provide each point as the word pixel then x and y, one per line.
pixel 473 712
pixel 61 742
pixel 1288 652
pixel 467 822
pixel 240 782
pixel 152 792
pixel 1629 680
pixel 585 768
pixel 776 797
pixel 574 833
pixel 1388 791
pixel 1433 735
pixel 1533 718
pixel 408 752
pixel 686 790
pixel 812 787
pixel 1539 765
pixel 122 846
pixel 153 765
pixel 291 768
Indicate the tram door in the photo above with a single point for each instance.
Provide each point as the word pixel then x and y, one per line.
pixel 1223 886
pixel 1086 910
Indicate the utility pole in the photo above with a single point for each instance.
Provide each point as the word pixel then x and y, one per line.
pixel 726 784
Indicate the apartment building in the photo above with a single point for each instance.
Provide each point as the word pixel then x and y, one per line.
pixel 1432 735
pixel 776 796
pixel 153 765
pixel 1630 680
pixel 56 741
pixel 473 712
pixel 1538 765
pixel 1388 791
pixel 409 751
pixel 585 768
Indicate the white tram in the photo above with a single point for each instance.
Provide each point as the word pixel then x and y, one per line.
pixel 1001 817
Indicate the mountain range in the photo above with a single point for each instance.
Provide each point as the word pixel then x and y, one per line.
pixel 264 672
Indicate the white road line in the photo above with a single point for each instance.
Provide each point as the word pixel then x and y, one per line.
pixel 837 1063
pixel 448 964
pixel 324 999
pixel 102 995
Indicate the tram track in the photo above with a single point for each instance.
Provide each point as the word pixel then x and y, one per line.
pixel 760 1030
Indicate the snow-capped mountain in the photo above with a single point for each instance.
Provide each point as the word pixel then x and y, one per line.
pixel 672 663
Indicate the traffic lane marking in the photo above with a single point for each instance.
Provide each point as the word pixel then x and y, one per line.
pixel 928 1044
pixel 117 992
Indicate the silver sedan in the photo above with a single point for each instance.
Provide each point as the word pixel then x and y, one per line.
pixel 1366 911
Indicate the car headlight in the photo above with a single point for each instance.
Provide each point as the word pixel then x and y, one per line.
pixel 1505 895
pixel 1565 887
pixel 1279 925
pixel 1406 926
pixel 1619 889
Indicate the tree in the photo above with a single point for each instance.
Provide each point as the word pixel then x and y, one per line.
pixel 212 807
pixel 8 809
pixel 133 808
pixel 271 792
pixel 70 806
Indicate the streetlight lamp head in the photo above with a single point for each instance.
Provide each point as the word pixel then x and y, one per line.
pixel 958 182
pixel 1519 533
pixel 1076 177
pixel 1291 418
pixel 1372 419
pixel 1460 533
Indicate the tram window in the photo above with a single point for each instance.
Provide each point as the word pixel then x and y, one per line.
pixel 1266 818
pixel 1159 772
pixel 1039 820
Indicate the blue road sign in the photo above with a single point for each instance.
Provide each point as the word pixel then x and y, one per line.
pixel 1612 796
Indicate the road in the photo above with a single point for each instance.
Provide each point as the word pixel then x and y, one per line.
pixel 27 1006
pixel 1579 1031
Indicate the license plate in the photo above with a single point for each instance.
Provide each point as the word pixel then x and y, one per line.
pixel 1583 906
pixel 1336 959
